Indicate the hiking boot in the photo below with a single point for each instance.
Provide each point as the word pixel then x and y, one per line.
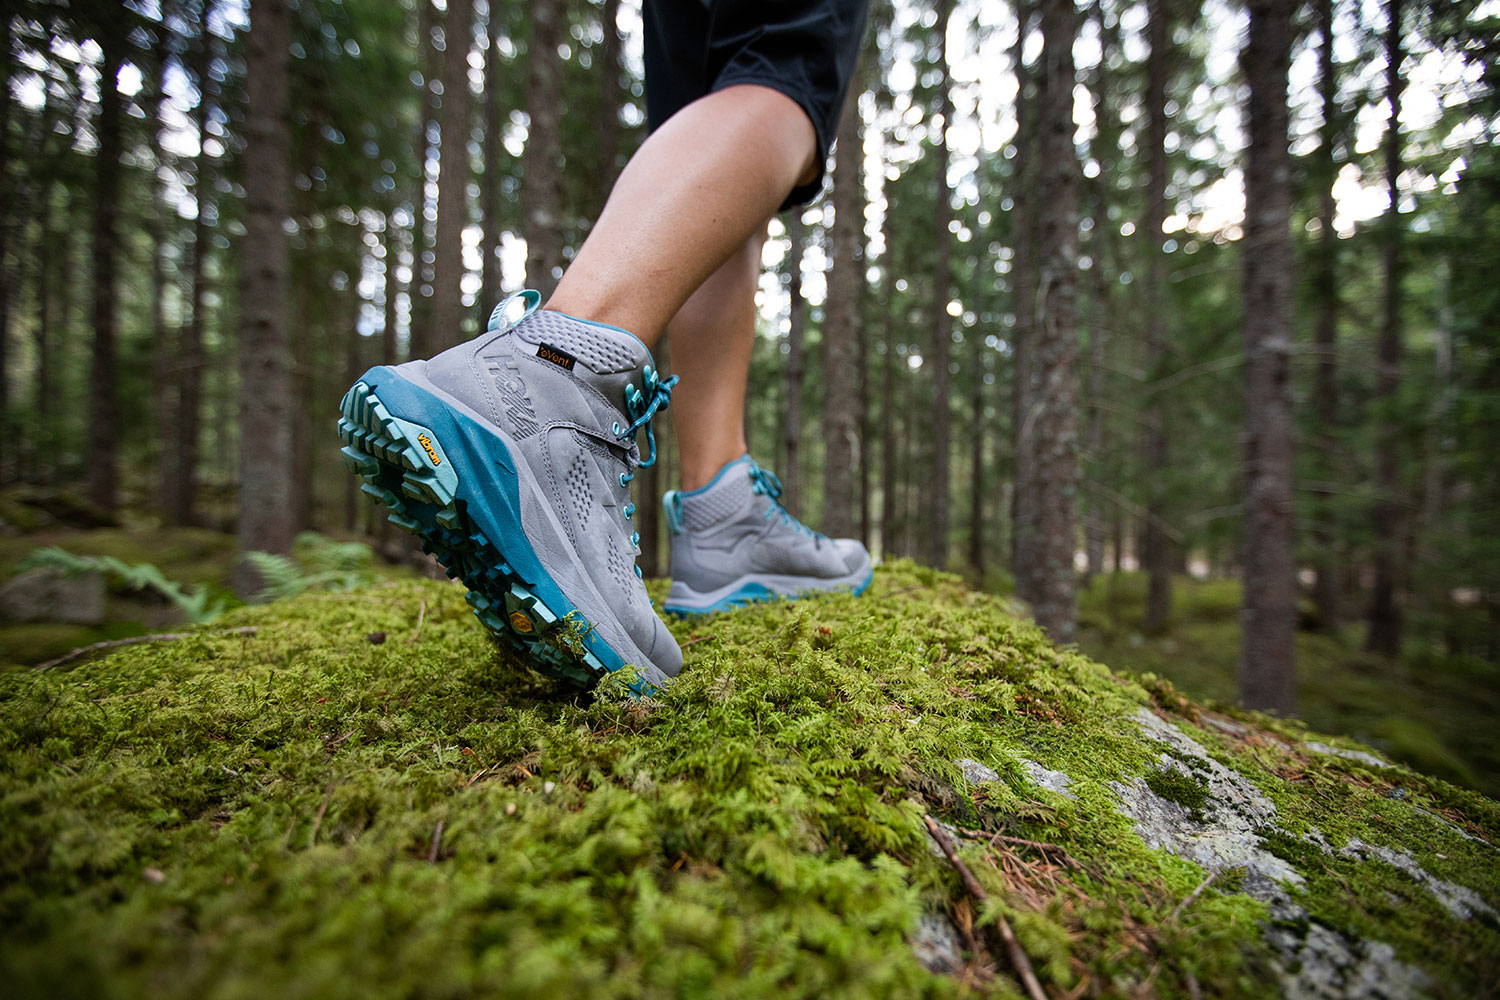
pixel 733 544
pixel 511 457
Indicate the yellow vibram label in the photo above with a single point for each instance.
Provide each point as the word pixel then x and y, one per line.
pixel 426 443
pixel 520 622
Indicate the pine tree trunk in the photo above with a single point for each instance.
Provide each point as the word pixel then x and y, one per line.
pixel 541 181
pixel 1055 362
pixel 389 349
pixel 1105 149
pixel 613 99
pixel 182 503
pixel 165 358
pixel 1325 337
pixel 1267 665
pixel 103 433
pixel 1156 548
pixel 888 416
pixel 494 153
pixel 941 322
pixel 7 205
pixel 448 310
pixel 265 516
pixel 839 316
pixel 791 473
pixel 976 471
pixel 1384 635
pixel 1024 201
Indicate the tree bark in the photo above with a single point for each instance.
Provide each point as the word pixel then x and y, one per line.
pixel 265 520
pixel 613 98
pixel 791 474
pixel 389 350
pixel 1267 669
pixel 840 314
pixel 164 340
pixel 1325 336
pixel 541 179
pixel 494 151
pixel 888 423
pixel 1023 293
pixel 1385 630
pixel 941 322
pixel 182 501
pixel 103 434
pixel 1056 357
pixel 448 311
pixel 7 204
pixel 1157 548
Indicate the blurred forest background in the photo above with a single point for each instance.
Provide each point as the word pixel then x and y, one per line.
pixel 1178 319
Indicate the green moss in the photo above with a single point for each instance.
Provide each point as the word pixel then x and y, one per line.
pixel 1174 786
pixel 307 813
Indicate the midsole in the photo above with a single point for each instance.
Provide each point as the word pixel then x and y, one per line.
pixel 777 585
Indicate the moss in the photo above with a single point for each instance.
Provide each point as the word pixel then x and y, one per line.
pixel 1183 789
pixel 307 813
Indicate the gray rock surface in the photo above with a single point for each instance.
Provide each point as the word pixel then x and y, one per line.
pixel 49 595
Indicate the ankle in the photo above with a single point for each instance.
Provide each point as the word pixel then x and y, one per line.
pixel 701 468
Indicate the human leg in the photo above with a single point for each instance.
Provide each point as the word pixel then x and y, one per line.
pixel 697 190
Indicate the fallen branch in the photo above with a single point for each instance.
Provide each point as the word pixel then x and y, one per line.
pixel 136 640
pixel 1018 957
pixel 437 843
pixel 701 638
pixel 1037 845
pixel 1192 897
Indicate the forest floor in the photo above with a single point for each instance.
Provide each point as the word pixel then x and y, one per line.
pixel 366 797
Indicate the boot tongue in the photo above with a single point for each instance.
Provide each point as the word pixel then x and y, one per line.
pixel 605 357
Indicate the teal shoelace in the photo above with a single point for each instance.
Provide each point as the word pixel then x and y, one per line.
pixel 765 483
pixel 641 406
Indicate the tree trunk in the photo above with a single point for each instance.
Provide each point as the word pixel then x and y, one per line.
pixel 1024 202
pixel 1055 362
pixel 976 469
pixel 389 350
pixel 448 311
pixel 613 99
pixel 1325 336
pixel 7 204
pixel 103 434
pixel 182 502
pixel 840 314
pixel 1156 548
pixel 494 152
pixel 888 416
pixel 941 322
pixel 1267 666
pixel 165 359
pixel 265 518
pixel 791 474
pixel 1384 635
pixel 541 180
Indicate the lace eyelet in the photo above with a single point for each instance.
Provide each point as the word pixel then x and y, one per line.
pixel 614 428
pixel 623 480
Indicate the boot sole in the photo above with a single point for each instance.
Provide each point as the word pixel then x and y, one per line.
pixel 405 468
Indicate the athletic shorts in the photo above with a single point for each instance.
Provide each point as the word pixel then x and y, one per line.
pixel 806 50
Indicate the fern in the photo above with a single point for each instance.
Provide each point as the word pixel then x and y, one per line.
pixel 319 563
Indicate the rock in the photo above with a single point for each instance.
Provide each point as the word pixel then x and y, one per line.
pixel 936 945
pixel 1053 781
pixel 976 773
pixel 49 595
pixel 1359 756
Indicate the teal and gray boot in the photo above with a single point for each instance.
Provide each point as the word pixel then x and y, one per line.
pixel 511 458
pixel 733 543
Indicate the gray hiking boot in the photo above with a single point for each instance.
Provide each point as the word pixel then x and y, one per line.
pixel 733 543
pixel 511 457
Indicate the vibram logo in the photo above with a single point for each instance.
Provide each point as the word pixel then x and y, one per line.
pixel 560 358
pixel 426 443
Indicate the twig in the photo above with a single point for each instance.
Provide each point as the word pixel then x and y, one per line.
pixel 701 638
pixel 1192 896
pixel 437 842
pixel 1000 838
pixel 135 640
pixel 318 819
pixel 1012 946
pixel 421 617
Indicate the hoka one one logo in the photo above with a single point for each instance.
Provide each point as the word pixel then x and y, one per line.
pixel 426 443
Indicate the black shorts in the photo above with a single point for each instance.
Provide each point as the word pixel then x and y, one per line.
pixel 806 50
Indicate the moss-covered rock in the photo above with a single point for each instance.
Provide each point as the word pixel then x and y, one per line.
pixel 368 798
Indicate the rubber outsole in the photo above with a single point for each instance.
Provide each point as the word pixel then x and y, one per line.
pixel 405 469
pixel 757 593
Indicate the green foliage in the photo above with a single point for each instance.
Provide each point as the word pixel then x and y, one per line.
pixel 317 562
pixel 309 813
